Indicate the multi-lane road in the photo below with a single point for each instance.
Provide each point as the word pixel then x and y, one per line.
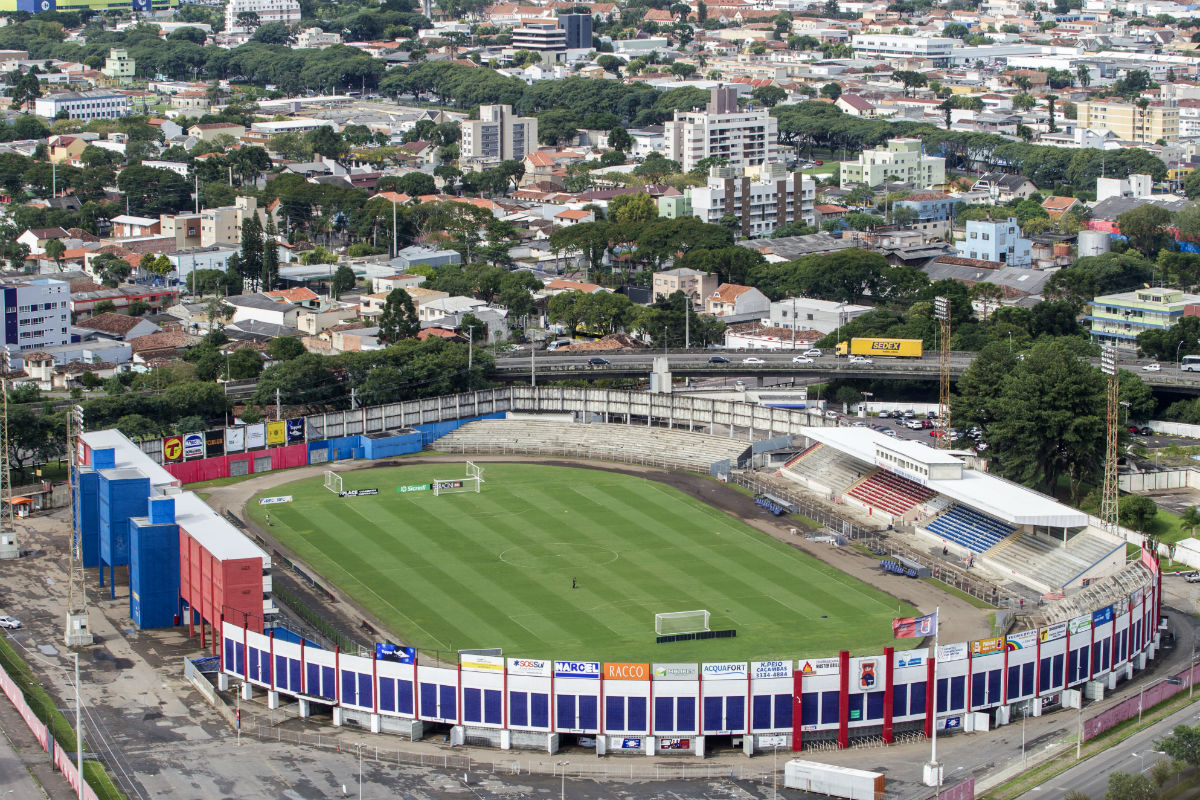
pixel 697 363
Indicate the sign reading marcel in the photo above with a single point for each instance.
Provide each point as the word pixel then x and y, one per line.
pixel 577 669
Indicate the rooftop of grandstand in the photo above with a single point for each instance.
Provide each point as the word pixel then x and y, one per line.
pixel 213 531
pixel 129 456
pixel 1002 499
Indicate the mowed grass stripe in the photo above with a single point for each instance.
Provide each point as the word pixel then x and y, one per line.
pixel 430 567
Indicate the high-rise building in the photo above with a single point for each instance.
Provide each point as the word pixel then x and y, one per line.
pixel 579 30
pixel 1129 121
pixel 762 199
pixel 36 314
pixel 264 11
pixel 548 39
pixel 498 135
pixel 742 137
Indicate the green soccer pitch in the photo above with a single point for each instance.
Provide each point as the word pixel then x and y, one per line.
pixel 494 569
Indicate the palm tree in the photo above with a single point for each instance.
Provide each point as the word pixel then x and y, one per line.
pixel 1191 518
pixel 1083 74
pixel 1142 104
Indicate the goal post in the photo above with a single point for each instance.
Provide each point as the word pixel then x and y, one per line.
pixel 470 483
pixel 333 482
pixel 674 622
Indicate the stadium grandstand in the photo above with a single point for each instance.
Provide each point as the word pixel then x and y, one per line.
pixel 999 526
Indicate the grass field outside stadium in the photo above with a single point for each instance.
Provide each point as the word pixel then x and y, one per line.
pixel 494 569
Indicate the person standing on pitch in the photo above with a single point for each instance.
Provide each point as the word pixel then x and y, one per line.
pixel 268 520
pixel 573 583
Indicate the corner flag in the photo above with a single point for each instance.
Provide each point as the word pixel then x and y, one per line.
pixel 914 627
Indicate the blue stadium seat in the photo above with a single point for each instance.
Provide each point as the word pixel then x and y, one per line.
pixel 971 529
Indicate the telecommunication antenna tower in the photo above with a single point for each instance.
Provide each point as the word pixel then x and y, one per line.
pixel 941 308
pixel 1108 492
pixel 78 632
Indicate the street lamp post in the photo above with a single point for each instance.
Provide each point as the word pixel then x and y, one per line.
pixel 1177 350
pixel 562 791
pixel 1126 403
pixel 775 775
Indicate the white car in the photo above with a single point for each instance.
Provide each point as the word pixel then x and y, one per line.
pixel 753 360
pixel 802 360
pixel 1155 367
pixel 889 432
pixel 814 352
pixel 860 360
pixel 9 622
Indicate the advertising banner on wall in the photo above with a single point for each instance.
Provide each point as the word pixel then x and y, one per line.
pixel 533 667
pixel 911 658
pixel 256 436
pixel 952 652
pixel 1080 624
pixel 770 669
pixel 577 669
pixel 820 666
pixel 214 443
pixel 626 742
pixel 674 744
pixel 676 672
pixel 235 440
pixel 1052 633
pixel 866 673
pixel 1020 641
pixel 983 647
pixel 724 670
pixel 1102 616
pixel 295 430
pixel 193 445
pixel 276 433
pixel 615 671
pixel 477 663
pixel 172 449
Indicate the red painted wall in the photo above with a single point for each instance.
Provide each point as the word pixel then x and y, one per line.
pixel 207 469
pixel 213 588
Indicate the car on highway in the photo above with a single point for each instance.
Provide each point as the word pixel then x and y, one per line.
pixel 753 360
pixel 10 623
pixel 1155 367
pixel 859 360
pixel 813 352
pixel 596 361
pixel 802 360
pixel 718 360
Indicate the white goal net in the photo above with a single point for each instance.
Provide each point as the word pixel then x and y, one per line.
pixel 674 622
pixel 333 482
pixel 470 483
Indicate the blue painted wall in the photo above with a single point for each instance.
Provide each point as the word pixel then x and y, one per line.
pixel 153 573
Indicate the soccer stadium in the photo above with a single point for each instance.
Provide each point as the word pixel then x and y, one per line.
pixel 541 565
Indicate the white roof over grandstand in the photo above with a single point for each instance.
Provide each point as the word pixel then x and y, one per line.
pixel 916 451
pixel 214 532
pixel 129 456
pixel 1002 499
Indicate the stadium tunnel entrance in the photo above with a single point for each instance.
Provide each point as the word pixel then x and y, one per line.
pixel 717 745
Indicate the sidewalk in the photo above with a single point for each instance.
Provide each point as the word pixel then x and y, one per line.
pixel 25 768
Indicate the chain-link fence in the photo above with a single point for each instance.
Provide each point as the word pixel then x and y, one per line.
pixel 822 516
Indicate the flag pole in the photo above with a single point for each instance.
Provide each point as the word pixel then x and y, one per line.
pixel 933 762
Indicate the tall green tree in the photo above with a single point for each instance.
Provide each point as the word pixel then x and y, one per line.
pixel 270 256
pixel 1048 422
pixel 343 280
pixel 1184 742
pixel 399 318
pixel 1124 786
pixel 251 262
pixel 1146 228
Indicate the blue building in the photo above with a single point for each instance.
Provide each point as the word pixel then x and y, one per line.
pixel 996 240
pixel 934 211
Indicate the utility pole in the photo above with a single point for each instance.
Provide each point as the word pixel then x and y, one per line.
pixel 532 365
pixel 78 727
pixel 687 323
pixel 470 346
pixel 394 251
pixel 277 414
pixel 196 185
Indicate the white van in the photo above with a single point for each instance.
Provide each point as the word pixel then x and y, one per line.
pixel 558 343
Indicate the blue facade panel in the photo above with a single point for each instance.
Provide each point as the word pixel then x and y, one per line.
pixel 123 494
pixel 390 446
pixel 153 574
pixel 87 515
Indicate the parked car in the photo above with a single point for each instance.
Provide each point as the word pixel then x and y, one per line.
pixel 831 414
pixel 928 423
pixel 718 360
pixel 1146 431
pixel 802 360
pixel 813 352
pixel 889 432
pixel 1155 367
pixel 1193 579
pixel 909 414
pixel 596 361
pixel 753 360
pixel 937 433
pixel 1135 430
pixel 9 622
pixel 884 413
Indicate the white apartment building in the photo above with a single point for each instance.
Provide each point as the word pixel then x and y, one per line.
pixel 762 198
pixel 547 39
pixel 36 314
pixel 938 49
pixel 498 135
pixel 285 11
pixel 223 225
pixel 743 137
pixel 95 104
pixel 808 313
pixel 902 159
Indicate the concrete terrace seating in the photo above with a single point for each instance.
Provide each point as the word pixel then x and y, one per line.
pixel 823 465
pixel 620 442
pixel 972 529
pixel 1051 562
pixel 889 492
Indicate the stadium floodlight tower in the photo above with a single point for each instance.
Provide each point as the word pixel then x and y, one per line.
pixel 78 632
pixel 1108 492
pixel 941 308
